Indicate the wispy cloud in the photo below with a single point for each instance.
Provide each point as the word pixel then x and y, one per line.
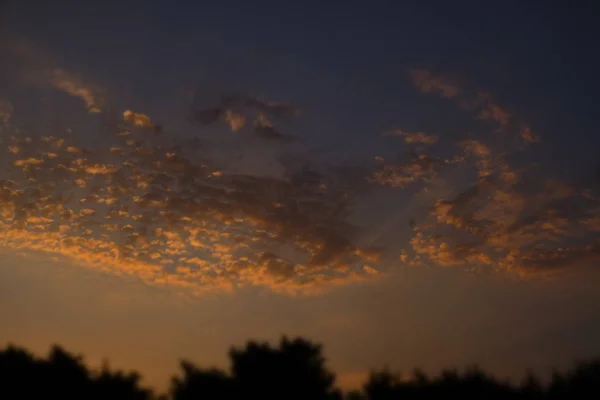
pixel 6 111
pixel 35 67
pixel 482 104
pixel 75 86
pixel 236 121
pixel 489 110
pixel 528 136
pixel 413 137
pixel 428 82
pixel 237 110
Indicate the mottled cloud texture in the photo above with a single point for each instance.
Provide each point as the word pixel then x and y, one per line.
pixel 139 208
pixel 144 206
pixel 500 214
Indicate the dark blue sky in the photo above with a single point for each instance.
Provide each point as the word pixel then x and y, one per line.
pixel 345 64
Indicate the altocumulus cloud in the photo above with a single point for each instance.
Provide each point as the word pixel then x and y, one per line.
pixel 137 207
pixel 162 212
pixel 501 215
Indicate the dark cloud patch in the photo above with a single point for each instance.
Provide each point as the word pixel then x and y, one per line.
pixel 246 114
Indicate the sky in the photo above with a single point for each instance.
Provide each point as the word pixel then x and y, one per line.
pixel 412 184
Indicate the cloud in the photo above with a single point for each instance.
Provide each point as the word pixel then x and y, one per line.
pixel 413 137
pixel 502 222
pixel 489 110
pixel 264 128
pixel 74 85
pixel 528 135
pixel 274 108
pixel 482 104
pixel 417 168
pixel 6 111
pixel 420 166
pixel 137 119
pixel 236 110
pixel 497 211
pixel 427 82
pixel 482 154
pixel 167 217
pixel 235 121
pixel 32 66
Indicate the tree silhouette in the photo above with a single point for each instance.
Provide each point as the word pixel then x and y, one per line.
pixel 64 376
pixel 583 381
pixel 531 387
pixel 294 369
pixel 119 385
pixel 207 384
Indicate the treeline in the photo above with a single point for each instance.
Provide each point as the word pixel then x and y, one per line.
pixel 295 369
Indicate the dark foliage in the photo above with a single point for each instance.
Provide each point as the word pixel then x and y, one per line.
pixel 62 376
pixel 295 369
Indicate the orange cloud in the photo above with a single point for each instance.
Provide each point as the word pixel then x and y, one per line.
pixel 505 219
pixel 490 110
pixel 498 223
pixel 38 68
pixel 481 103
pixel 236 121
pixel 418 168
pixel 137 119
pixel 158 215
pixel 427 82
pixel 413 137
pixel 75 86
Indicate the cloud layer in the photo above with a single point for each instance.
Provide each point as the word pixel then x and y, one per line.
pixel 145 206
pixel 141 209
pixel 499 214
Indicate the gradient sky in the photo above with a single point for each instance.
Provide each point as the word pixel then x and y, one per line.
pixel 480 246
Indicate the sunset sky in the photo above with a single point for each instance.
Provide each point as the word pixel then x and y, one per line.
pixel 410 184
